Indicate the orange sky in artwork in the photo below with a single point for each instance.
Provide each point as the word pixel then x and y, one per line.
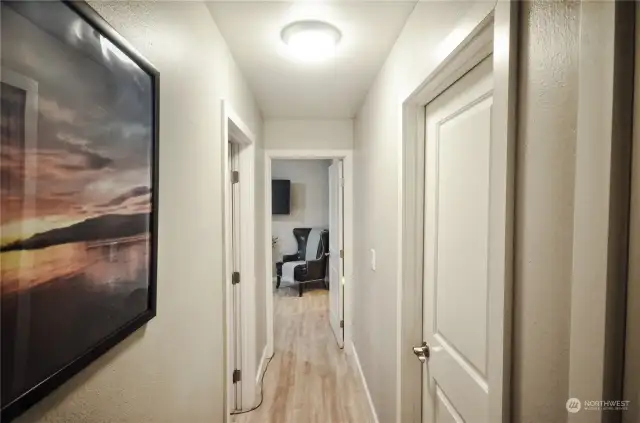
pixel 65 190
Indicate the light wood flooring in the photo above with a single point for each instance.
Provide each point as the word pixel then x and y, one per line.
pixel 309 379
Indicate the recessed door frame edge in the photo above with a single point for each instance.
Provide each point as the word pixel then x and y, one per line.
pixel 601 205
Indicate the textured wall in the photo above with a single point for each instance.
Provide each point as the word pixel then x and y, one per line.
pixel 544 209
pixel 172 370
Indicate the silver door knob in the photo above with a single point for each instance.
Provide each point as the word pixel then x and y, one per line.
pixel 422 352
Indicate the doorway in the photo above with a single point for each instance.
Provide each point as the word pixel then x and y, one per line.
pixel 239 263
pixel 308 232
pixel 339 265
pixel 458 172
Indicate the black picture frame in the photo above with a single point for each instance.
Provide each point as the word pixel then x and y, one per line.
pixel 19 405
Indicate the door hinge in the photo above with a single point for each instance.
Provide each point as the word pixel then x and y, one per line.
pixel 237 376
pixel 341 324
pixel 235 278
pixel 235 177
pixel 342 182
pixel 341 253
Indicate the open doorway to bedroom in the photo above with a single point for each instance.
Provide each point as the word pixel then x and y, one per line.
pixel 307 221
pixel 308 225
pixel 300 225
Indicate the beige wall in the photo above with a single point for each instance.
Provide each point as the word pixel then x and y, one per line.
pixel 172 371
pixel 320 134
pixel 544 210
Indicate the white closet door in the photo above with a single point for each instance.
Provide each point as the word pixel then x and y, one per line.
pixel 336 266
pixel 462 242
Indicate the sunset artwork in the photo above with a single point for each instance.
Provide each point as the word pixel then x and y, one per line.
pixel 77 142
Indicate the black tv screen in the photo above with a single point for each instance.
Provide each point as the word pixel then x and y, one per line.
pixel 280 196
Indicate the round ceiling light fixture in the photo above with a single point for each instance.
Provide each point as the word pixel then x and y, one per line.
pixel 311 40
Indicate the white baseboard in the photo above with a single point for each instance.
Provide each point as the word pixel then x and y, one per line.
pixel 355 362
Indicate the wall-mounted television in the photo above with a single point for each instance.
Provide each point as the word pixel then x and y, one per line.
pixel 280 196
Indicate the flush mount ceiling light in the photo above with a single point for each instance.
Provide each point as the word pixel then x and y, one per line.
pixel 311 40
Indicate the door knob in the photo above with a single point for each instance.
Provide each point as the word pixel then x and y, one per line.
pixel 422 352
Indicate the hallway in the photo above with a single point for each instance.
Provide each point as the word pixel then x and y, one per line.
pixel 464 174
pixel 309 379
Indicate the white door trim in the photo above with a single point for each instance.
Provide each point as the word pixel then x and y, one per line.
pixel 236 131
pixel 347 158
pixel 497 34
pixel 601 203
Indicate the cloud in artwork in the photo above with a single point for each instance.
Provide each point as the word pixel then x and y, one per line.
pixel 135 192
pixel 56 113
pixel 93 159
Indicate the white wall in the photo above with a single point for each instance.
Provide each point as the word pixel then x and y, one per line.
pixel 309 200
pixel 260 255
pixel 172 371
pixel 323 134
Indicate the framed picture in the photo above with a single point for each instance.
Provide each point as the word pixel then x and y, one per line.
pixel 78 194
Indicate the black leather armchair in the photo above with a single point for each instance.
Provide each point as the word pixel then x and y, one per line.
pixel 301 235
pixel 313 269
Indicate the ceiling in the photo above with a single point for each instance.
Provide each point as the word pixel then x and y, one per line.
pixel 285 88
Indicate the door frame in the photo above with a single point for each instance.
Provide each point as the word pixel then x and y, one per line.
pixel 601 204
pixel 347 158
pixel 494 33
pixel 236 131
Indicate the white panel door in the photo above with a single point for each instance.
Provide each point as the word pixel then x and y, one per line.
pixel 458 252
pixel 336 288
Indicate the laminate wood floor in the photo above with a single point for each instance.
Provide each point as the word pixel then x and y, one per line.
pixel 309 379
